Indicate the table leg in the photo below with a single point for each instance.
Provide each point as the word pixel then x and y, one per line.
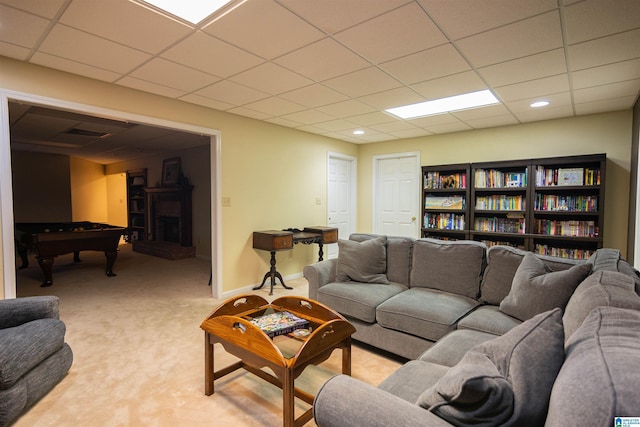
pixel 208 366
pixel 346 358
pixel 273 274
pixel 46 265
pixel 320 253
pixel 111 259
pixel 288 397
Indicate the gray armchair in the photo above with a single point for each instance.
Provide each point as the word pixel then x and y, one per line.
pixel 33 354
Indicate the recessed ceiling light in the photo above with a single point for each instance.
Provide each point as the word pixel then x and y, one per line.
pixel 539 104
pixel 193 11
pixel 445 105
pixel 358 132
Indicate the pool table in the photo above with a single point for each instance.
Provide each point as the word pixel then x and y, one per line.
pixel 49 240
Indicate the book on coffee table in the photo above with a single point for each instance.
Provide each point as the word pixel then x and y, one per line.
pixel 279 323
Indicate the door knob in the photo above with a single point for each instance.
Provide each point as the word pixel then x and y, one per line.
pixel 413 218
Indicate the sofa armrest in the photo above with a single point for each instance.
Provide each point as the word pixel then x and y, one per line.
pixel 15 312
pixel 319 274
pixel 343 401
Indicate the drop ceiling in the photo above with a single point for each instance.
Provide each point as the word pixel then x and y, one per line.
pixel 333 66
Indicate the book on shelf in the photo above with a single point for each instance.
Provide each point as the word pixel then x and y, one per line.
pixel 571 228
pixel 566 203
pixel 435 180
pixel 500 225
pixel 493 178
pixel 573 253
pixel 549 177
pixel 279 323
pixel 444 202
pixel 444 221
pixel 500 202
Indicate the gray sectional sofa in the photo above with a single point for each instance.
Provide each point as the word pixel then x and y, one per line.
pixel 495 336
pixel 34 356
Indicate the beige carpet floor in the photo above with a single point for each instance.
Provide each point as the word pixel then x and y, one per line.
pixel 138 349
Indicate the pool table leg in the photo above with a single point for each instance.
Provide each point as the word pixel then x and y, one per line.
pixel 46 264
pixel 111 259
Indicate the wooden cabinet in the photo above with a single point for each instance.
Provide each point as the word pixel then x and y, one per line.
pixel 552 206
pixel 445 199
pixel 136 204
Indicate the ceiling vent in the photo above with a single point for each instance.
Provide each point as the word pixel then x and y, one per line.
pixel 90 133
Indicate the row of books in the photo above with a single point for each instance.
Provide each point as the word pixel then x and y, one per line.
pixel 436 180
pixel 500 202
pixel 490 243
pixel 572 253
pixel 493 178
pixel 547 177
pixel 570 203
pixel 572 228
pixel 501 225
pixel 444 221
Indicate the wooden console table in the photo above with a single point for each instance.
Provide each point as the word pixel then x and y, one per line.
pixel 283 240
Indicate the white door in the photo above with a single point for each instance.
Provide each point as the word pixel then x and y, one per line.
pixel 340 198
pixel 396 196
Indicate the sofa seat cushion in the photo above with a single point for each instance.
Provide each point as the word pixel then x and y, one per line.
pixel 504 381
pixel 600 376
pixel 450 266
pixel 450 349
pixel 489 319
pixel 602 288
pixel 426 313
pixel 502 264
pixel 536 289
pixel 362 261
pixel 26 346
pixel 358 300
pixel 410 380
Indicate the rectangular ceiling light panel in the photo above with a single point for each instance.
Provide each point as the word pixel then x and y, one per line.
pixel 445 105
pixel 193 11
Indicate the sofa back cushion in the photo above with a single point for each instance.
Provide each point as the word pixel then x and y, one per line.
pixel 399 255
pixel 599 378
pixel 611 260
pixel 502 263
pixel 364 261
pixel 451 266
pixel 602 288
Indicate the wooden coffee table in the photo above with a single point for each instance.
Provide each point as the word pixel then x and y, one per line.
pixel 286 355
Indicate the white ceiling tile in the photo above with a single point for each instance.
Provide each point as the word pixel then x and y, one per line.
pixel 13 51
pixel 489 122
pixel 282 121
pixel 314 95
pixel 430 121
pixel 397 33
pixel 411 133
pixel 620 71
pixel 377 137
pixel 119 21
pixel 534 88
pixel 63 64
pixel 482 112
pixel 335 15
pixel 151 87
pixel 232 93
pixel 275 106
pixel 534 35
pixel 309 117
pixel 20 28
pixel 207 102
pixel 392 98
pixel 527 68
pixel 558 100
pixel 322 60
pixel 78 46
pixel 264 28
pixel 616 48
pixel 456 84
pixel 271 78
pixel 363 82
pixel 460 19
pixel 170 74
pixel 395 126
pixel 374 118
pixel 535 115
pixel 336 125
pixel 346 108
pixel 592 19
pixel 429 64
pixel 609 91
pixel 47 9
pixel 602 106
pixel 457 126
pixel 212 56
pixel 246 112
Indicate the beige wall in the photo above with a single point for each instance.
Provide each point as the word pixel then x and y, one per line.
pixel 88 191
pixel 601 133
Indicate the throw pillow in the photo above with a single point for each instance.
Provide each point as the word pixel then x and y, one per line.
pixel 362 261
pixel 516 390
pixel 536 289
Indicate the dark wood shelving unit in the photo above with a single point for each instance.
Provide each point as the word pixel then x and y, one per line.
pixel 136 204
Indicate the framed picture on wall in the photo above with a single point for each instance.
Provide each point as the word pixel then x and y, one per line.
pixel 170 171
